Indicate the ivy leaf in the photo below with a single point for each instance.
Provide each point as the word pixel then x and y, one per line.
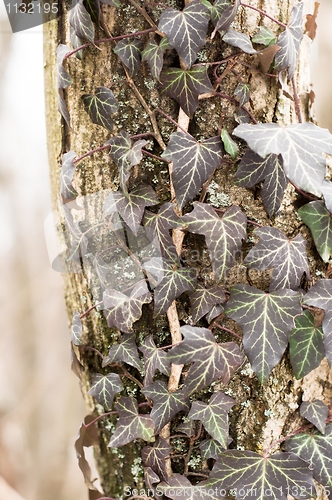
pixel 125 154
pixel 230 146
pixel 215 311
pixel 173 282
pixel 254 169
pixel 266 321
pixel 210 448
pixel 154 359
pixel 67 171
pixel 251 475
pixel 131 207
pixel 153 54
pixel 93 8
pixel 315 449
pixel 104 388
pixel 216 9
pixel 100 107
pixel 129 51
pixel 289 41
pixel 123 310
pixel 125 351
pixel 203 300
pixel 242 91
pixel 264 36
pixel 81 22
pixel 214 416
pixel 62 107
pixel 150 477
pixel 287 257
pixel 240 40
pixel 316 412
pixel 327 193
pixel 187 427
pixel 178 487
pixel 223 236
pixel 226 18
pixel 185 85
pixel 157 228
pixel 301 147
pixel 75 42
pixel 155 457
pixel 76 329
pixel 212 361
pixel 63 77
pixel 316 216
pixel 320 295
pixel 193 163
pixel 186 30
pixel 131 425
pixel 306 345
pixel 165 404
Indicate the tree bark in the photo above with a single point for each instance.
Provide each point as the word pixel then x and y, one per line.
pixel 264 412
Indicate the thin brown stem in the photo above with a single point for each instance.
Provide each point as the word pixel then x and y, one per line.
pixel 146 16
pixel 92 152
pixel 229 98
pixel 130 376
pixel 159 158
pixel 100 417
pixel 90 309
pixel 88 348
pixel 306 195
pixel 217 325
pixel 263 13
pixel 297 102
pixel 169 118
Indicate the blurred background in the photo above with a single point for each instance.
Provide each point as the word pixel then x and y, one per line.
pixel 40 402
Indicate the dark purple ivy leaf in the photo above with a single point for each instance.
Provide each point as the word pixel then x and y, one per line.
pixel 104 388
pixel 76 42
pixel 212 361
pixel 254 169
pixel 320 295
pixel 227 17
pixel 326 188
pixel 316 450
pixel 203 300
pixel 316 412
pixel 154 359
pixel 251 475
pixel 150 478
pixel 153 54
pixel 165 404
pixel 93 8
pixel 63 77
pixel 171 282
pixel 316 216
pixel 240 40
pixel 287 257
pixel 81 22
pixel 126 154
pixel 217 9
pixel 242 91
pixel 123 310
pixel 306 345
pixel 266 321
pixel 131 207
pixel 125 351
pixel 210 448
pixel 155 457
pixel 79 241
pixel 129 51
pixel 215 311
pixel 178 487
pixel 223 236
pixel 100 107
pixel 214 416
pixel 301 147
pixel 157 228
pixel 186 30
pixel 193 163
pixel 76 329
pixel 289 41
pixel 62 107
pixel 131 425
pixel 241 116
pixel 185 85
pixel 67 189
pixel 188 428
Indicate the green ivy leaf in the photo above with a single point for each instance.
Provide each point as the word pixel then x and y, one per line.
pixel 301 147
pixel 165 404
pixel 185 86
pixel 203 300
pixel 154 359
pixel 316 216
pixel 289 41
pixel 100 107
pixel 264 36
pixel 125 351
pixel 81 22
pixel 266 321
pixel 223 236
pixel 306 346
pixel 104 388
pixel 212 361
pixel 316 412
pixel 131 425
pixel 230 146
pixel 214 416
pixel 129 51
pixel 316 450
pixel 186 30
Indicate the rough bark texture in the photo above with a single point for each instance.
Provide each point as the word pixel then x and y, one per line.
pixel 263 412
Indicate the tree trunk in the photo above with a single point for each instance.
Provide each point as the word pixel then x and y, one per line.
pixel 263 412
